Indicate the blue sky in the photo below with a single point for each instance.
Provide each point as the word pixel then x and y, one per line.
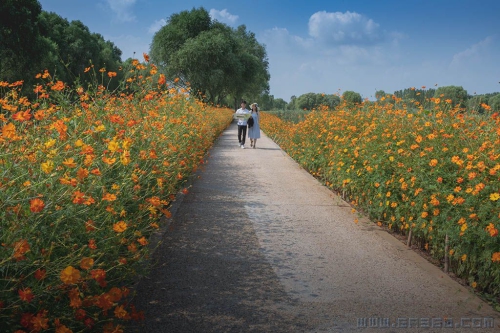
pixel 330 46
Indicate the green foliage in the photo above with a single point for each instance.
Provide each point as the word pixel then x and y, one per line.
pixel 20 43
pixel 351 97
pixel 379 94
pixel 494 102
pixel 32 40
pixel 72 47
pixel 179 28
pixel 215 59
pixel 458 95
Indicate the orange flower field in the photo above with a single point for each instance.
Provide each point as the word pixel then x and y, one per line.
pixel 85 175
pixel 435 172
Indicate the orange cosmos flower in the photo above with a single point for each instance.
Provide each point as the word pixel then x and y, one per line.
pixel 495 257
pixel 486 106
pixel 40 274
pixel 9 131
pixel 162 80
pixel 69 162
pixel 92 245
pixel 74 297
pixel 96 172
pixel 115 294
pixel 78 197
pixel 58 86
pixel 146 57
pixel 40 115
pixel 99 275
pixel 120 227
pixel 143 241
pixel 116 119
pixel 40 322
pixel 22 116
pixel 492 230
pixel 111 74
pixel 37 205
pixel 86 263
pixel 70 275
pixel 433 162
pixel 20 248
pixel 109 161
pixel 155 201
pixel 82 173
pixel 120 312
pixel 109 197
pixel 26 294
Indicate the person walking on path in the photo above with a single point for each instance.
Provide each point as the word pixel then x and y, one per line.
pixel 242 123
pixel 254 130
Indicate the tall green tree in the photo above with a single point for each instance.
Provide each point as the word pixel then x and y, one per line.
pixel 494 102
pixel 21 48
pixel 351 97
pixel 458 95
pixel 217 60
pixel 72 48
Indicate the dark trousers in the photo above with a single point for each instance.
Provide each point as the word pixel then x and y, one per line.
pixel 242 133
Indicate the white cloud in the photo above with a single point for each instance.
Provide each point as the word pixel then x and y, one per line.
pixel 300 65
pixel 223 16
pixel 157 25
pixel 122 9
pixel 343 28
pixel 471 55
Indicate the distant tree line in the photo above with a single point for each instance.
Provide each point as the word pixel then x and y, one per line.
pixel 425 98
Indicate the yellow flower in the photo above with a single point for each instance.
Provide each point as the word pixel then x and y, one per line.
pixel 47 167
pixel 464 257
pixel 494 196
pixel 113 146
pixel 70 275
pixel 50 143
pixel 100 128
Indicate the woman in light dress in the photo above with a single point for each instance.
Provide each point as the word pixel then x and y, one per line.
pixel 254 131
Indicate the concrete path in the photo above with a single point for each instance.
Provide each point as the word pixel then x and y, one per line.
pixel 258 245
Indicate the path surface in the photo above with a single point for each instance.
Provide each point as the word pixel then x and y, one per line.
pixel 258 245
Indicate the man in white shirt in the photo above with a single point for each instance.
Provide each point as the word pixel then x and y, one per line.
pixel 242 123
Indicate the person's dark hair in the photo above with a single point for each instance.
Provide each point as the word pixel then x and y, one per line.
pixel 243 101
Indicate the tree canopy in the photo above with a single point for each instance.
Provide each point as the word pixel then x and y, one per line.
pixel 351 97
pixel 33 40
pixel 217 60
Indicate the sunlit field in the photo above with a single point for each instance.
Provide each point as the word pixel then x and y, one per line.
pixel 433 172
pixel 85 175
